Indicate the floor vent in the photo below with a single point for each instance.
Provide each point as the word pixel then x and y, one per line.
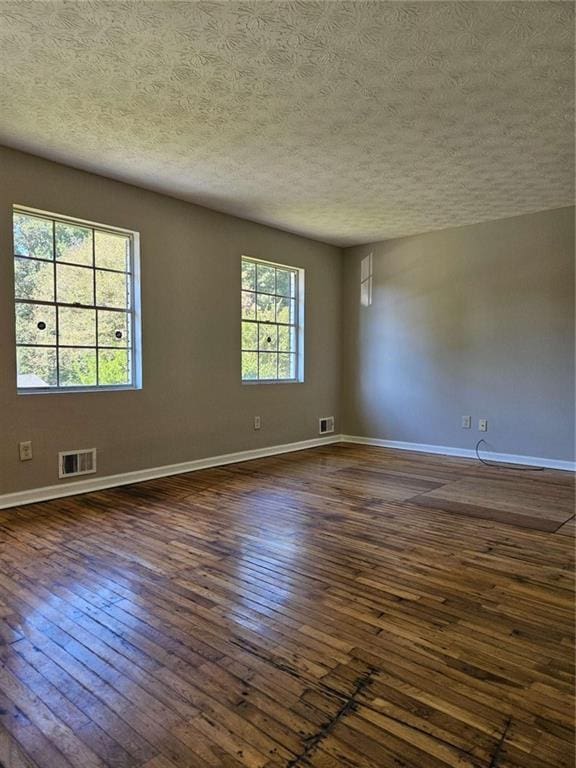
pixel 326 425
pixel 72 463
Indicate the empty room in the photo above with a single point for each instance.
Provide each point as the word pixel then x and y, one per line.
pixel 287 384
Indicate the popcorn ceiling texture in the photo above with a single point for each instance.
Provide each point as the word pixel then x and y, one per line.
pixel 345 121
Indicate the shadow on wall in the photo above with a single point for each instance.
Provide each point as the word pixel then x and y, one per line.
pixel 413 344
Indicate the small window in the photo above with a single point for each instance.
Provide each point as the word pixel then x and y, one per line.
pixel 76 293
pixel 272 322
pixel 366 281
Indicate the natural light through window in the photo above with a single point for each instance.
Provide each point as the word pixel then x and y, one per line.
pixel 271 322
pixel 366 281
pixel 76 301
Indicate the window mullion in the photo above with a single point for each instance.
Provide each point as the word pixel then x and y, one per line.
pixel 77 305
pixel 72 264
pixel 67 346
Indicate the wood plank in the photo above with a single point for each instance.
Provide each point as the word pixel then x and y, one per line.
pixel 323 608
pixel 527 503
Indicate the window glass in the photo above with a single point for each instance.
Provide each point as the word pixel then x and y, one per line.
pixel 75 313
pixel 270 328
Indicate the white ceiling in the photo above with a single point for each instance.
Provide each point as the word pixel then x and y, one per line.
pixel 344 121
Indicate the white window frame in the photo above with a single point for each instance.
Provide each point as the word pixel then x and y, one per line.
pixel 299 325
pixel 135 350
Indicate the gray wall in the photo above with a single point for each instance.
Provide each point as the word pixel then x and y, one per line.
pixel 192 404
pixel 475 320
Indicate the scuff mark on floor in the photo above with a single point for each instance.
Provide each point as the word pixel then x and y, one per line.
pixel 348 706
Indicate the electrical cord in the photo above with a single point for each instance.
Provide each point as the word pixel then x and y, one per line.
pixel 503 466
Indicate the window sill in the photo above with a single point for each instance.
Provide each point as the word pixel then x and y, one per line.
pixel 75 390
pixel 253 382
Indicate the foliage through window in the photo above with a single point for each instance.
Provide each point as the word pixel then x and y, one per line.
pixel 75 304
pixel 271 303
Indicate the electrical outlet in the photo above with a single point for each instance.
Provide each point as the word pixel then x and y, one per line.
pixel 25 450
pixel 257 422
pixel 483 425
pixel 466 422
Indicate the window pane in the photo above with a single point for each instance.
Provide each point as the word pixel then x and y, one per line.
pixel 248 305
pixel 249 336
pixel 286 339
pixel 36 367
pixel 113 366
pixel 34 280
pixel 63 269
pixel 268 365
pixel 32 236
pixel 112 251
pixel 284 282
pixel 112 289
pixel 77 367
pixel 249 365
pixel 74 285
pixel 268 340
pixel 35 324
pixel 248 276
pixel 286 366
pixel 265 308
pixel 76 327
pixel 266 281
pixel 286 311
pixel 113 329
pixel 73 243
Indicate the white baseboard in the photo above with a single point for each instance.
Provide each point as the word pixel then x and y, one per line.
pixel 506 458
pixel 35 495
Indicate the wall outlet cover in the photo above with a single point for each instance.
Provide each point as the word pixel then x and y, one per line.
pixel 25 450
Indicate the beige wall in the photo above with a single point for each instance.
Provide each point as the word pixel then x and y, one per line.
pixel 478 321
pixel 192 404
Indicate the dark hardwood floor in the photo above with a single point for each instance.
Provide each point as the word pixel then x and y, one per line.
pixel 340 607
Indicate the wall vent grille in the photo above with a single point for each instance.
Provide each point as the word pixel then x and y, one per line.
pixel 73 463
pixel 326 425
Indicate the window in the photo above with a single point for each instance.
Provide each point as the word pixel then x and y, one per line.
pixel 366 281
pixel 76 304
pixel 272 321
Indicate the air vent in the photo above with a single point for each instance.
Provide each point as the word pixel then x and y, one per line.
pixel 326 425
pixel 73 463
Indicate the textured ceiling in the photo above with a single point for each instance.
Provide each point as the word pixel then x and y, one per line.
pixel 344 121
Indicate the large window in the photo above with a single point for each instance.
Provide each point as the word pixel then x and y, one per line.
pixel 272 322
pixel 76 304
